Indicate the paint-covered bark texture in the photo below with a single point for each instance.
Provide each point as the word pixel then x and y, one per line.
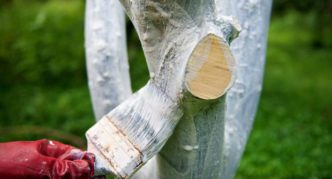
pixel 210 129
pixel 106 55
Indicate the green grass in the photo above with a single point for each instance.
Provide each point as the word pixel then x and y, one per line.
pixel 292 133
pixel 43 87
pixel 42 76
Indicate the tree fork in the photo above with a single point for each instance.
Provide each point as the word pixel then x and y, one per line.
pixel 183 41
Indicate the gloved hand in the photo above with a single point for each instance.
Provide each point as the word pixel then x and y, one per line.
pixel 44 159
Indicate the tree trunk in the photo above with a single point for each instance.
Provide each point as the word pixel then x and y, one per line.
pixel 106 55
pixel 210 137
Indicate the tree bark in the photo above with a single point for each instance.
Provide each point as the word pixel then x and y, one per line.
pixel 210 136
pixel 250 52
pixel 106 55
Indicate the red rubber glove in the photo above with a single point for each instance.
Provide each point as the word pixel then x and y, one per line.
pixel 44 159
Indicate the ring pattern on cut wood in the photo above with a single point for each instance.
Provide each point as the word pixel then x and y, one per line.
pixel 209 72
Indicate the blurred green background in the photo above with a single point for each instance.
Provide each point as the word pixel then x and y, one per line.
pixel 44 93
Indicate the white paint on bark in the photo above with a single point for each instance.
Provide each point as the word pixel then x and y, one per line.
pixel 221 143
pixel 209 139
pixel 106 55
pixel 249 51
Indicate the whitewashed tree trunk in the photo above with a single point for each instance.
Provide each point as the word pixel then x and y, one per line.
pixel 106 55
pixel 210 136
